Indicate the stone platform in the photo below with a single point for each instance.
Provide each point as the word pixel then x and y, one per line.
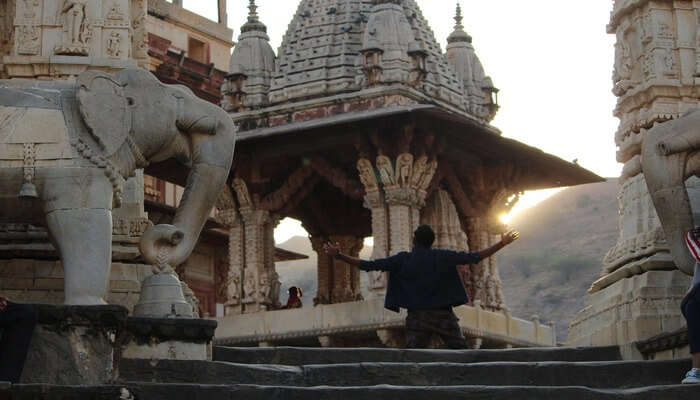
pixel 75 345
pixel 168 338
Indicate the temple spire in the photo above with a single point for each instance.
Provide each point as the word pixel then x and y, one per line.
pixel 458 19
pixel 459 35
pixel 253 12
pixel 253 23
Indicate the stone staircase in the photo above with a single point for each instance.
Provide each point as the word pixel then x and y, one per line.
pixel 358 374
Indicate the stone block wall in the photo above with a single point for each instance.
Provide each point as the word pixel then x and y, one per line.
pixel 41 281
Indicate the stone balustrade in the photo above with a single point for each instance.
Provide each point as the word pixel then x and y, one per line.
pixel 351 319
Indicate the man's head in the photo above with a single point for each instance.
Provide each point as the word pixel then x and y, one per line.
pixel 424 237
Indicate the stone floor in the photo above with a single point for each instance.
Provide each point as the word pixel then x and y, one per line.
pixel 297 373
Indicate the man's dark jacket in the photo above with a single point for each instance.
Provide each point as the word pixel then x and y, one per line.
pixel 424 279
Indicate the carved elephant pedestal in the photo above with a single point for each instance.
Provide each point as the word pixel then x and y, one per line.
pixel 75 345
pixel 164 339
pixel 66 148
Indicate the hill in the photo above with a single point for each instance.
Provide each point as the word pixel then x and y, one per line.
pixel 563 241
pixel 547 272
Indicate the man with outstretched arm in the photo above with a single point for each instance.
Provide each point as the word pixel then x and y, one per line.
pixel 426 283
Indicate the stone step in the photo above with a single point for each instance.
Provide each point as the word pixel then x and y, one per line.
pixel 307 356
pixel 599 374
pixel 141 391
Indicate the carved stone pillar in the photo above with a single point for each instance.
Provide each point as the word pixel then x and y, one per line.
pixel 323 270
pixel 374 201
pixel 252 250
pixel 259 276
pixel 233 285
pixel 395 193
pixel 345 284
pixel 478 239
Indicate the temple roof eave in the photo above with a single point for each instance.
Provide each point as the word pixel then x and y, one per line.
pixel 541 170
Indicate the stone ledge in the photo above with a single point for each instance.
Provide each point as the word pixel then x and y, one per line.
pixel 387 392
pixel 144 330
pixel 110 316
pixel 663 342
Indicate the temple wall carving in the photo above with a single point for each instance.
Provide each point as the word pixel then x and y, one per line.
pixel 61 38
pixel 655 77
pixel 252 284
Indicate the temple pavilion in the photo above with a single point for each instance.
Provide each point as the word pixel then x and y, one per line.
pixel 361 126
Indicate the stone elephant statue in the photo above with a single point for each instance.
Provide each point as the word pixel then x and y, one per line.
pixel 66 147
pixel 671 155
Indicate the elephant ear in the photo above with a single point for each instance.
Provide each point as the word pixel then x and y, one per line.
pixel 105 109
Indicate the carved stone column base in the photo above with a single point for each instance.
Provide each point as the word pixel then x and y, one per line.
pixel 74 345
pixel 168 339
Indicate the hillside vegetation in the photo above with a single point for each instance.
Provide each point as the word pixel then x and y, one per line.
pixel 563 241
pixel 547 272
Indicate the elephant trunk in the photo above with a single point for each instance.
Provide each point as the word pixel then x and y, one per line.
pixel 686 138
pixel 665 177
pixel 213 138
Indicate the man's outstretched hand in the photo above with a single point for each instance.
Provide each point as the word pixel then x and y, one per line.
pixel 332 249
pixel 3 303
pixel 510 237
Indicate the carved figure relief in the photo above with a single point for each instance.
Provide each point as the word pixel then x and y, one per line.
pixel 646 28
pixel 623 63
pixel 242 192
pixel 427 177
pixel 115 12
pixel 669 63
pixel 77 30
pixel 233 288
pixel 419 169
pixel 377 280
pixel 28 40
pixel 264 289
pixel 249 288
pixel 404 168
pixel 114 44
pixel 30 8
pixel 648 67
pixel 367 177
pixel 386 171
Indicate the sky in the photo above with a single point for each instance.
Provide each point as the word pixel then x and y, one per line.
pixel 551 59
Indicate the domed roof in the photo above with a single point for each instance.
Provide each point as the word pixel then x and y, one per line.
pixel 254 57
pixel 469 70
pixel 324 53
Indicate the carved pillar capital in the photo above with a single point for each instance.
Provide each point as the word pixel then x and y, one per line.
pixel 228 218
pixel 254 217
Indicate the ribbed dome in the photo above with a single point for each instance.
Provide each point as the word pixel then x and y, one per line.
pixel 470 71
pixel 325 49
pixel 319 53
pixel 254 57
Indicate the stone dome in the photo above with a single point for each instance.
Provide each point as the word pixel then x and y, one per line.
pixel 464 61
pixel 253 56
pixel 333 47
